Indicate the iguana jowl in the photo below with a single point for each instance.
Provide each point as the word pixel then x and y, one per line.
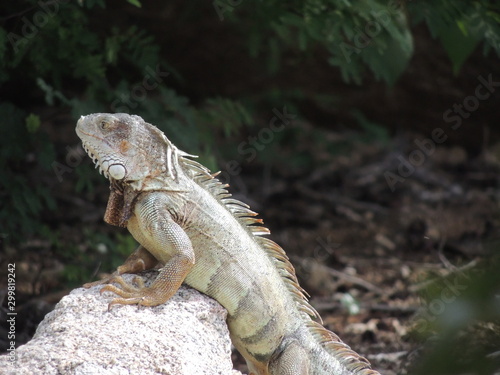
pixel 184 219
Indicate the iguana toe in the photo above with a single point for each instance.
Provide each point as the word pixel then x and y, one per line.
pixel 125 301
pixel 133 295
pixel 106 280
pixel 123 289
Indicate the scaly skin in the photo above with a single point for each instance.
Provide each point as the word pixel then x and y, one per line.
pixel 184 219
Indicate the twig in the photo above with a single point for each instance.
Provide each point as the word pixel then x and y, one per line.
pixel 328 306
pixel 337 199
pixel 449 266
pixel 425 284
pixel 357 281
pixel 344 276
pixel 389 357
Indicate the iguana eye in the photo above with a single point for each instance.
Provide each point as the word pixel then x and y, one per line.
pixel 104 124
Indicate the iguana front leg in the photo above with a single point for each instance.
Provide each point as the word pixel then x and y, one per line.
pixel 140 260
pixel 164 239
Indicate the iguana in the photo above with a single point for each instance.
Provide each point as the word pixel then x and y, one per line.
pixel 184 219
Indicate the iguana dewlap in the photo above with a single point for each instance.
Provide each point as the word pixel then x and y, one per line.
pixel 184 219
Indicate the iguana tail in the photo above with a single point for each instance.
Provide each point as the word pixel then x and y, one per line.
pixel 313 350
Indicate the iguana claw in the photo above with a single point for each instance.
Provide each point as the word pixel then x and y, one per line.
pixel 106 280
pixel 125 287
pixel 130 294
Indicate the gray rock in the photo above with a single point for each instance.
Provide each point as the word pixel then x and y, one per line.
pixel 187 335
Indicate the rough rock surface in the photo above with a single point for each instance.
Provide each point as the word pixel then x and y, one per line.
pixel 187 335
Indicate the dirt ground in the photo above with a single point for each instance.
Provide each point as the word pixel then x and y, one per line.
pixel 366 247
pixel 367 231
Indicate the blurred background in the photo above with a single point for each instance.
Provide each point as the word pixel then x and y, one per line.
pixel 364 132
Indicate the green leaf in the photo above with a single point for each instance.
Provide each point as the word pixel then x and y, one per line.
pixel 373 131
pixel 135 2
pixel 32 123
pixel 458 44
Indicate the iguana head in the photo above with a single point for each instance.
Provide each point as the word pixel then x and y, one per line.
pixel 125 148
